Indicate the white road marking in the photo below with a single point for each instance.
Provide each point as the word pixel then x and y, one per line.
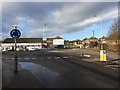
pixel 12 58
pixel 33 58
pixel 49 58
pixel 19 58
pixel 26 58
pixel 7 58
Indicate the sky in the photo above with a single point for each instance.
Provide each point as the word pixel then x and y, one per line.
pixel 69 20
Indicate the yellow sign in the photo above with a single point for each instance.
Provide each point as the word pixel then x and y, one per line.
pixel 103 55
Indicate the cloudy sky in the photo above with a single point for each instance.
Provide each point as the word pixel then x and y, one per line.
pixel 70 20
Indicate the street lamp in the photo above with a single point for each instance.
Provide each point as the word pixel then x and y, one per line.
pixel 101 25
pixel 44 27
pixel 43 35
pixel 102 52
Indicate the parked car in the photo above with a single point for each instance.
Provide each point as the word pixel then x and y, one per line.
pixel 31 49
pixel 0 48
pixel 4 49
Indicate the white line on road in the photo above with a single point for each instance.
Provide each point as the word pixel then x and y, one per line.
pixel 12 58
pixel 49 58
pixel 26 58
pixel 33 58
pixel 19 58
pixel 56 57
pixel 7 58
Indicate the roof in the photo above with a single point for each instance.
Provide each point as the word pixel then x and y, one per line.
pixel 85 39
pixel 23 40
pixel 58 37
pixel 50 39
pixel 103 37
pixel 92 37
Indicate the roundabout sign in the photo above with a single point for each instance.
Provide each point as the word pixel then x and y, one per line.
pixel 15 33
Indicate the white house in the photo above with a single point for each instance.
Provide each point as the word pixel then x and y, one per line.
pixel 57 41
pixel 22 44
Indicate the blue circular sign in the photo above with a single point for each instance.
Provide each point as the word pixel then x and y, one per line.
pixel 104 52
pixel 15 33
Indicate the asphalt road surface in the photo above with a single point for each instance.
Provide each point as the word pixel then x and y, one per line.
pixel 55 70
pixel 94 53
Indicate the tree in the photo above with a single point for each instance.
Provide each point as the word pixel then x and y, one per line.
pixel 114 36
pixel 114 32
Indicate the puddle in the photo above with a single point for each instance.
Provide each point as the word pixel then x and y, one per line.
pixel 57 57
pixel 47 77
pixel 65 57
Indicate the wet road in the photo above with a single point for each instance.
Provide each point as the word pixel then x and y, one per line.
pixel 54 70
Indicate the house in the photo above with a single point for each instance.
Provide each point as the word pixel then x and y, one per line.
pixel 85 43
pixel 102 39
pixel 93 39
pixel 56 41
pixel 75 43
pixel 22 44
pixel 91 42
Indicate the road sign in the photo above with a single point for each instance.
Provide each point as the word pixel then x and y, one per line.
pixel 15 33
pixel 102 55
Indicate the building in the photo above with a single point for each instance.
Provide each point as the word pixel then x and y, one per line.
pixel 22 44
pixel 93 39
pixel 66 44
pixel 85 43
pixel 57 42
pixel 75 43
pixel 91 42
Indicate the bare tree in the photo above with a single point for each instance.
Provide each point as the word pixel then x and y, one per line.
pixel 114 36
pixel 114 32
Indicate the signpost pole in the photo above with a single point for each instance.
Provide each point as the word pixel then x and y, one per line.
pixel 15 56
pixel 15 33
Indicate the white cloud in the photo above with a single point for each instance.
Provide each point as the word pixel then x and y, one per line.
pixel 60 1
pixel 70 13
pixel 76 17
pixel 60 19
pixel 20 18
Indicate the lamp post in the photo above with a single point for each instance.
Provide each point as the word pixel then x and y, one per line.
pixel 44 28
pixel 102 52
pixel 101 47
pixel 101 26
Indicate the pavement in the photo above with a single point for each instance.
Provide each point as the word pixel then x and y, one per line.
pixel 22 79
pixel 92 55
